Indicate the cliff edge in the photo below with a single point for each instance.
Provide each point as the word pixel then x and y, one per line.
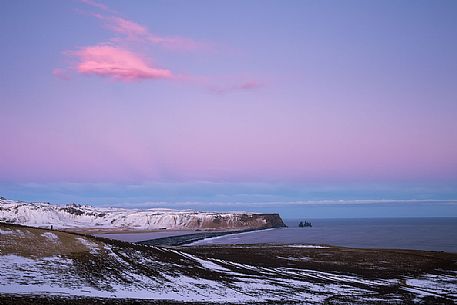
pixel 76 216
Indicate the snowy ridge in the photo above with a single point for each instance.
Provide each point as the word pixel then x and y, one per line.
pixel 84 216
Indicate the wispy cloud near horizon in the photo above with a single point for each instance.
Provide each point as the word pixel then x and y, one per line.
pixel 244 86
pixel 291 201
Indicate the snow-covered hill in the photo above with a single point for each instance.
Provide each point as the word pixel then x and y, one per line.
pixel 83 216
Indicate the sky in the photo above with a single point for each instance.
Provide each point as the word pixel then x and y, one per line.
pixel 260 105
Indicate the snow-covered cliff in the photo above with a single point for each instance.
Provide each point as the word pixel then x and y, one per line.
pixel 83 216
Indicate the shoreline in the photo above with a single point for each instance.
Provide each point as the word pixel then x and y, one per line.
pixel 192 238
pixel 189 239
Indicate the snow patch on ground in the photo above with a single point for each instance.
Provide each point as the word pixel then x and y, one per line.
pixel 25 275
pixel 57 276
pixel 206 263
pixel 299 259
pixel 17 233
pixel 6 232
pixel 92 246
pixel 433 285
pixel 51 236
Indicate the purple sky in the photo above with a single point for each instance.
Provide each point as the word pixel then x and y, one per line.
pixel 229 92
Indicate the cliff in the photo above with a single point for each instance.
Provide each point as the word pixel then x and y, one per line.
pixel 89 217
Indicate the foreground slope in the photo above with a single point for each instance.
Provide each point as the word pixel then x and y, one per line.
pixel 76 216
pixel 53 267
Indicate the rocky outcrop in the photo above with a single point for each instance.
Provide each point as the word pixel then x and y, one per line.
pixel 274 220
pixel 240 221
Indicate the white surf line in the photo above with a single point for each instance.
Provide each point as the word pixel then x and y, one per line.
pixel 307 246
pixel 195 243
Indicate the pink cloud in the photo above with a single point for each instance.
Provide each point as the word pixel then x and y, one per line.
pixel 119 60
pixel 117 63
pixel 137 32
pixel 127 27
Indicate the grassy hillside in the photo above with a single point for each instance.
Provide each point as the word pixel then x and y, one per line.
pixel 51 267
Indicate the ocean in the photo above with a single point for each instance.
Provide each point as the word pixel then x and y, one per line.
pixel 435 234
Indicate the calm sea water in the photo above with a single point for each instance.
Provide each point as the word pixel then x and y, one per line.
pixel 437 234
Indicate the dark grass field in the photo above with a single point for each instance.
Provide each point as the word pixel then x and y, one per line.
pixel 369 263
